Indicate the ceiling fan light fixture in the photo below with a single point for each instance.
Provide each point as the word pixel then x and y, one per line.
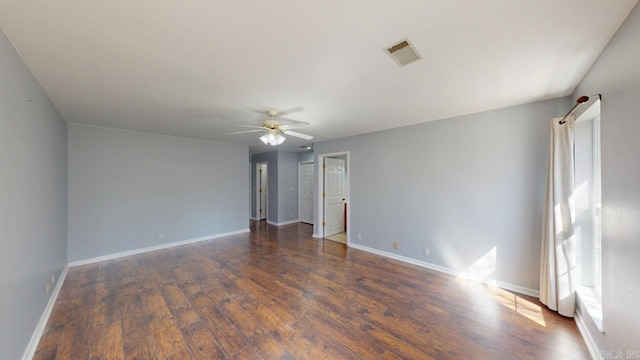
pixel 273 138
pixel 275 131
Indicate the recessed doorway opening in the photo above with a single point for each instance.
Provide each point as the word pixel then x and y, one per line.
pixel 305 191
pixel 261 191
pixel 333 202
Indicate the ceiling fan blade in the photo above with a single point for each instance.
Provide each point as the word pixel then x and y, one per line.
pixel 251 126
pixel 292 126
pixel 290 111
pixel 298 135
pixel 292 121
pixel 245 132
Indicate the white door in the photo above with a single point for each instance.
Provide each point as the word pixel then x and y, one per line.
pixel 262 191
pixel 305 193
pixel 334 193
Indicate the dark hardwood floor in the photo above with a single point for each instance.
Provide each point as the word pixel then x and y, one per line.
pixel 277 293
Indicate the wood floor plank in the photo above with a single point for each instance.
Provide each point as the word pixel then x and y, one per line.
pixel 270 348
pixel 76 333
pixel 52 336
pixel 138 343
pixel 105 341
pixel 277 293
pixel 202 342
pixel 223 331
pixel 247 353
pixel 343 332
pixel 303 346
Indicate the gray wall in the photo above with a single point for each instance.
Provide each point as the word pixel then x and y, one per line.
pixel 125 188
pixel 271 158
pixel 466 187
pixel 287 186
pixel 616 75
pixel 33 200
pixel 305 156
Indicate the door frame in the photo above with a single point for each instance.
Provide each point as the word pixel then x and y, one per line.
pixel 257 187
pixel 320 175
pixel 300 163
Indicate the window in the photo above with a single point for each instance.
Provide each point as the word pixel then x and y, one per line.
pixel 588 210
pixel 597 208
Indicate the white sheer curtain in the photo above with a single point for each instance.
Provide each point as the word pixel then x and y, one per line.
pixel 558 258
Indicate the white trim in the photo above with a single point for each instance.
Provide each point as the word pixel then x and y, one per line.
pixel 588 339
pixel 314 235
pixel 37 333
pixel 282 223
pixel 253 218
pixel 500 284
pixel 153 248
pixel 590 301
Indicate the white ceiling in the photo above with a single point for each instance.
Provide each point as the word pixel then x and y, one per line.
pixel 198 68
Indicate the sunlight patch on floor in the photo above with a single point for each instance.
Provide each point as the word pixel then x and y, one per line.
pixel 516 303
pixel 483 270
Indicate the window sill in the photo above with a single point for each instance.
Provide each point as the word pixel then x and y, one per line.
pixel 592 303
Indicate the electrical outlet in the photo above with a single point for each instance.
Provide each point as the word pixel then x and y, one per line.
pixel 48 288
pixel 396 245
pixel 426 251
pixel 53 279
pixel 161 236
pixel 359 236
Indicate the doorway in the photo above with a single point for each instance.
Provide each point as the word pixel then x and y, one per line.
pixel 261 191
pixel 333 204
pixel 305 192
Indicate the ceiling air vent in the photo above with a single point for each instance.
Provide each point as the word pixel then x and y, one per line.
pixel 403 52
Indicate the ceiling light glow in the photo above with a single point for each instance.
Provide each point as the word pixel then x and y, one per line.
pixel 273 138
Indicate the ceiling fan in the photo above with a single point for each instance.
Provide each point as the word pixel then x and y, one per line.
pixel 275 129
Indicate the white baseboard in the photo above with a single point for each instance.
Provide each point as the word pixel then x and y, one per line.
pixel 152 248
pixel 283 223
pixel 315 236
pixel 444 269
pixel 37 333
pixel 253 218
pixel 588 339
